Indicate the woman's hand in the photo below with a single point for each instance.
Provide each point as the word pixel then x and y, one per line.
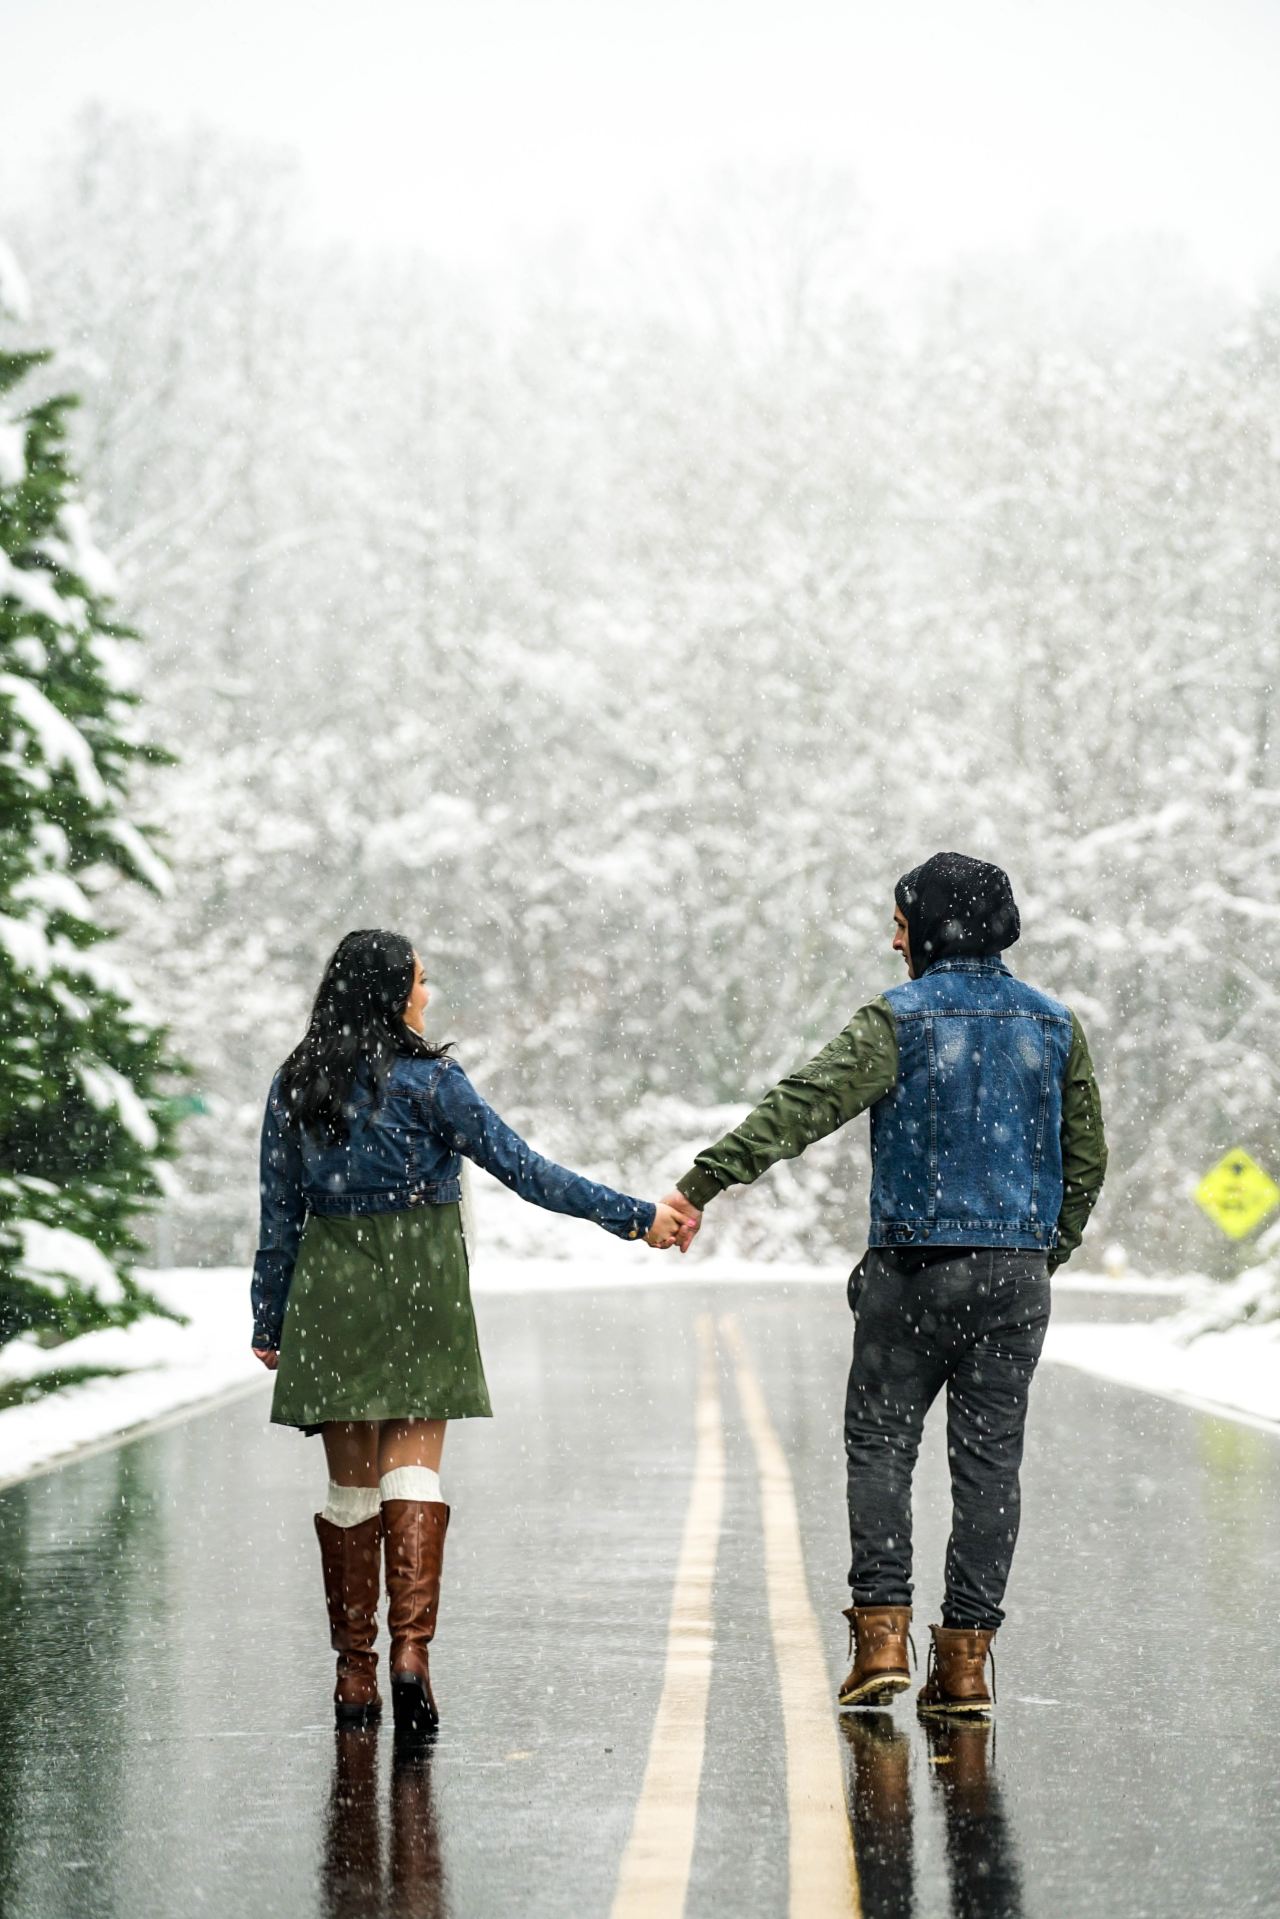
pixel 665 1229
pixel 269 1358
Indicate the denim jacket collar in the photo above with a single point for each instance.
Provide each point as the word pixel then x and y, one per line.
pixel 979 963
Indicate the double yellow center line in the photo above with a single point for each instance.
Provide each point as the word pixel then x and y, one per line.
pixel 653 1880
pixel 655 1867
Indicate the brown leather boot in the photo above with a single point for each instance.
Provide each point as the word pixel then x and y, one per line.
pixel 351 1557
pixel 879 1670
pixel 957 1681
pixel 414 1530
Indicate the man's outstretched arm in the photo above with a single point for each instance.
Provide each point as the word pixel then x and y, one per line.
pixel 857 1067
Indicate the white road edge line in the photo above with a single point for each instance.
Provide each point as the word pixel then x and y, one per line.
pixel 823 1874
pixel 653 1879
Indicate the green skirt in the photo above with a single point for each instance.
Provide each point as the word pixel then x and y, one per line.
pixel 379 1323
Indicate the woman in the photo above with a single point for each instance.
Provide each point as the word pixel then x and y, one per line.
pixel 361 1296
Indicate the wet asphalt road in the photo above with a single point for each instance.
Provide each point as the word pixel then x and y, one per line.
pixel 166 1746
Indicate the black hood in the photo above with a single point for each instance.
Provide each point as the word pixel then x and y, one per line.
pixel 956 908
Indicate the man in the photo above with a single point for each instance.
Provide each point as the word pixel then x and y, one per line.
pixel 987 1156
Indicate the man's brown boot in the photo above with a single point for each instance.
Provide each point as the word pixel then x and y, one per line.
pixel 878 1638
pixel 957 1681
pixel 351 1558
pixel 414 1530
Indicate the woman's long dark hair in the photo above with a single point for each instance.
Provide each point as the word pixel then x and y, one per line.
pixel 357 1019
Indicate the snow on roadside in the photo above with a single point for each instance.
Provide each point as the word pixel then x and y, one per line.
pixel 170 1367
pixel 1235 1372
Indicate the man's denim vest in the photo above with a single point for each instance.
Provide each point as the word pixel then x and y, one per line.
pixel 966 1149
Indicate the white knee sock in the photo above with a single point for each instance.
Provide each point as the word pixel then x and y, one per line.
pixel 350 1505
pixel 411 1482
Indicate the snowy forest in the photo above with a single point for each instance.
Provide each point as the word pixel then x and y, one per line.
pixel 622 632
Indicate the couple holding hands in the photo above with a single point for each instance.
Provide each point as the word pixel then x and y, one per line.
pixel 987 1157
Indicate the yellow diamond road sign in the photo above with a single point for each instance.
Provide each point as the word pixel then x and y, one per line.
pixel 1237 1194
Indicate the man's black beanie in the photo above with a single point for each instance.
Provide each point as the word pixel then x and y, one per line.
pixel 956 907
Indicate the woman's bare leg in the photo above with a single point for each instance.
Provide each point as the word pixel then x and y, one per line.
pixel 351 1448
pixel 408 1442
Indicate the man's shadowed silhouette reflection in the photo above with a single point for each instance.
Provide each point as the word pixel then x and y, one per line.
pixel 983 1876
pixel 982 1860
pixel 879 1796
pixel 354 1882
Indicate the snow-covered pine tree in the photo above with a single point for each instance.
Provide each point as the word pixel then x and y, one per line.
pixel 84 1125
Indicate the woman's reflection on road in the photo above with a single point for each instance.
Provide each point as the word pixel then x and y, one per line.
pixel 983 1875
pixel 354 1883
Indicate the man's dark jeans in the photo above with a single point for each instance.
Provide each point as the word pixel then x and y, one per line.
pixel 976 1324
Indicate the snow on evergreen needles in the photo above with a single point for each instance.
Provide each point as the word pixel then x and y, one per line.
pixel 84 1121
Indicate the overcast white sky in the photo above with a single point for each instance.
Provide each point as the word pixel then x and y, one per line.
pixel 458 122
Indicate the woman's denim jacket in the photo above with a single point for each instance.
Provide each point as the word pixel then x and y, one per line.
pixel 402 1151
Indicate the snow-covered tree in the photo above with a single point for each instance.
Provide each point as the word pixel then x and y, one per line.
pixel 622 640
pixel 85 1125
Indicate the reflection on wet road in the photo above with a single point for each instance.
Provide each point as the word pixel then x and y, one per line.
pixel 979 1851
pixel 373 1864
pixel 656 1514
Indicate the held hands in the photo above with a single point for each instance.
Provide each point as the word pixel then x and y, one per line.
pixel 665 1229
pixel 675 1223
pixel 269 1359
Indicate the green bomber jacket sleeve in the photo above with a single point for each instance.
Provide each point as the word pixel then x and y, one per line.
pixel 856 1068
pixel 1084 1147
